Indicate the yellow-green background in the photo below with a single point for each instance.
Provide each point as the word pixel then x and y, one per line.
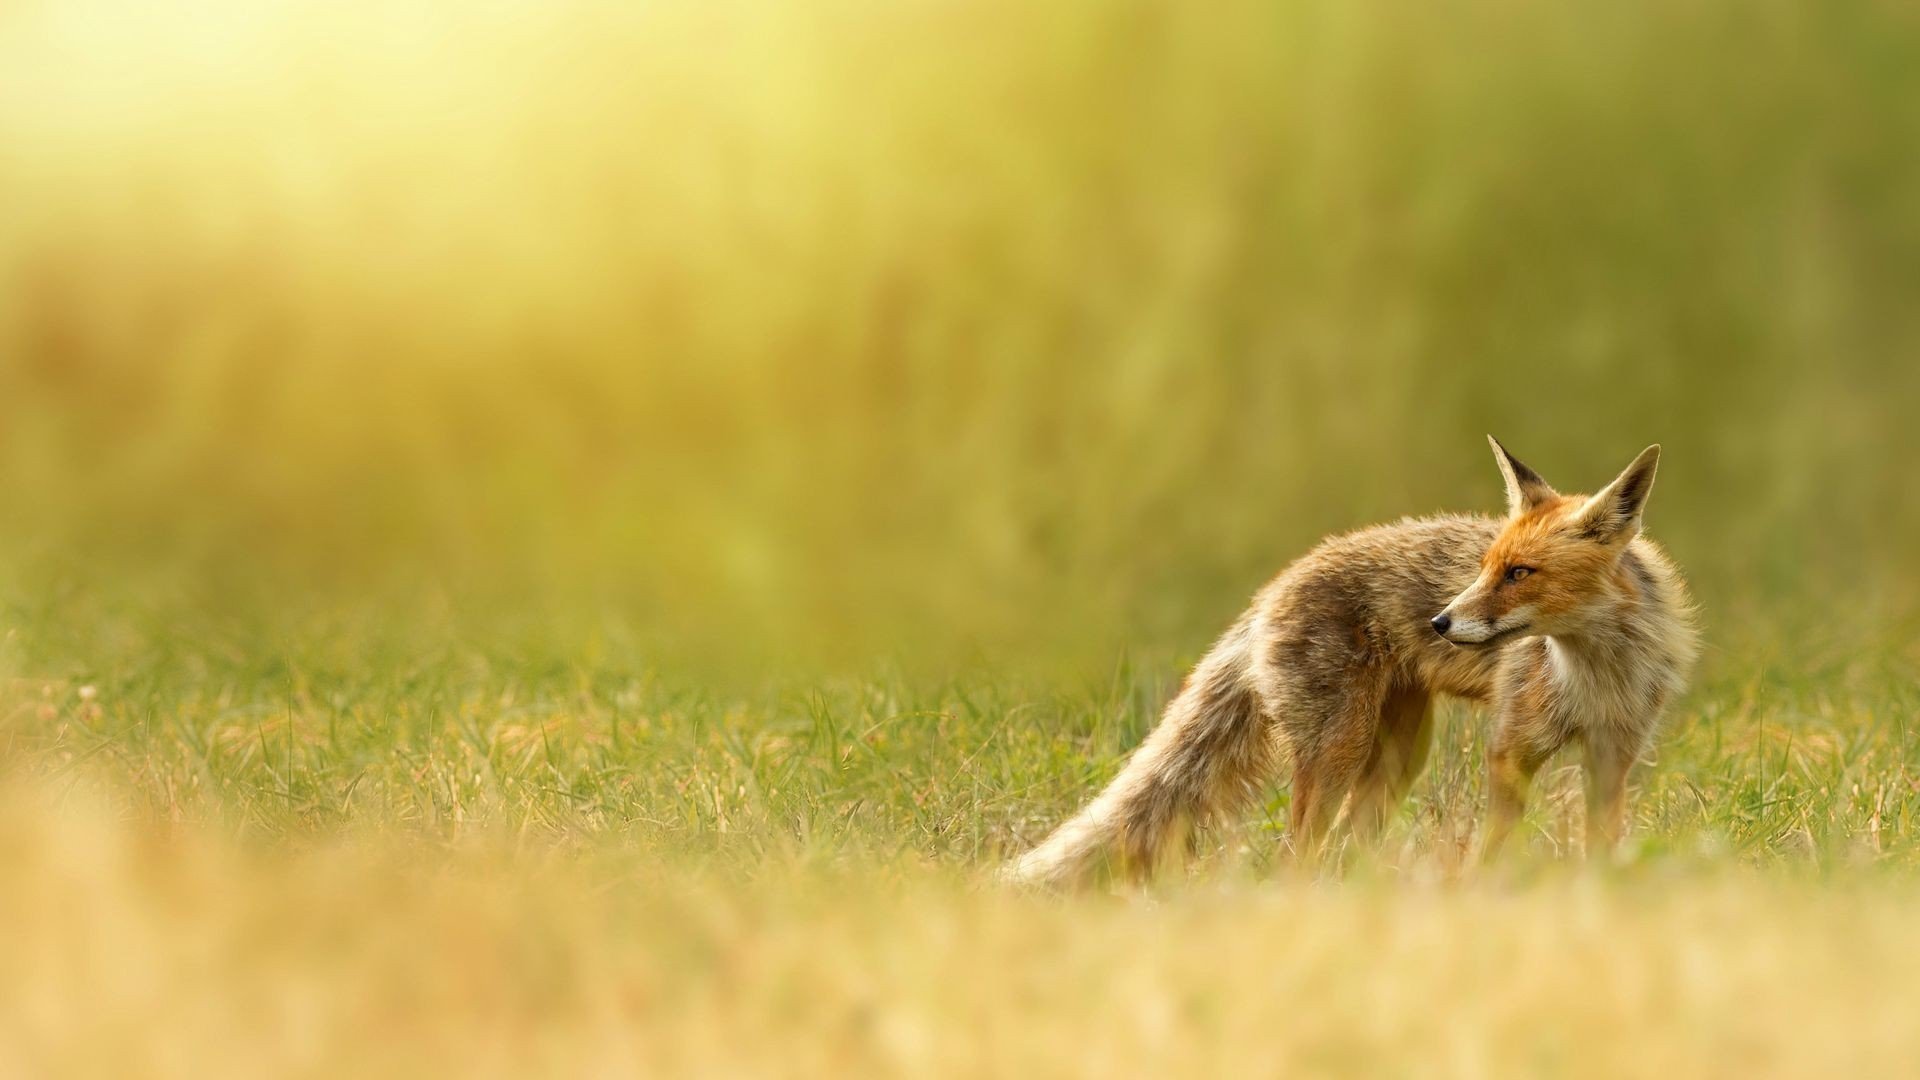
pixel 858 325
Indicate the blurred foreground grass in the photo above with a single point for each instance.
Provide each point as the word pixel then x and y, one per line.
pixel 469 862
pixel 565 537
pixel 365 958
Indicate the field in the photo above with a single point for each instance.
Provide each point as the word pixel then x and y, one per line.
pixel 573 538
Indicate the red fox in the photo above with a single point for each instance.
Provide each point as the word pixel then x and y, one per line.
pixel 1574 627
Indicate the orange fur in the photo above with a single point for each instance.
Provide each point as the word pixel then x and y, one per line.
pixel 1335 665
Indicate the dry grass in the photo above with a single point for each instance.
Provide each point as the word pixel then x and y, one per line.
pixel 628 880
pixel 184 956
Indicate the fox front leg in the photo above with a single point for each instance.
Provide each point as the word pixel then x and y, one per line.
pixel 1516 755
pixel 1608 761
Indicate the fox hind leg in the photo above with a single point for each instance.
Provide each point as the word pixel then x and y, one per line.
pixel 1399 754
pixel 1326 762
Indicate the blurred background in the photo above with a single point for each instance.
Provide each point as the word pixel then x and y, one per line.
pixel 753 332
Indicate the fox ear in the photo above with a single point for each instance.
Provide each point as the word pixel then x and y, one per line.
pixel 1613 516
pixel 1526 489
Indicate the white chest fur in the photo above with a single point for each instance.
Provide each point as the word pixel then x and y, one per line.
pixel 1621 683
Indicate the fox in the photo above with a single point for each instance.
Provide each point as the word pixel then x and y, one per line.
pixel 1572 626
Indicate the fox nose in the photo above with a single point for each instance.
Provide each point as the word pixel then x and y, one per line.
pixel 1442 623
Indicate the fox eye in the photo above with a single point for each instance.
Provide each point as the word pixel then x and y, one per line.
pixel 1518 572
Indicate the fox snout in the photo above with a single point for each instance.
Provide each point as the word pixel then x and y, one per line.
pixel 1469 620
pixel 1461 630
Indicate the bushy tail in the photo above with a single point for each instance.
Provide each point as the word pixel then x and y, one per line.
pixel 1206 756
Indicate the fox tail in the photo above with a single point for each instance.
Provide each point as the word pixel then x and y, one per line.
pixel 1206 756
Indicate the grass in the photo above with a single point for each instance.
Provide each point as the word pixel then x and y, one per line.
pixel 463 863
pixel 570 537
pixel 302 723
pixel 459 868
pixel 369 958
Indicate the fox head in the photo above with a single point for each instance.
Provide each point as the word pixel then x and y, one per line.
pixel 1557 564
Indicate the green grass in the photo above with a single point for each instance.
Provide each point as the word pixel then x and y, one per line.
pixel 335 856
pixel 1762 763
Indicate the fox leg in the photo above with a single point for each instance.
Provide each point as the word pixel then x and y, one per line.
pixel 1399 753
pixel 1319 787
pixel 1325 768
pixel 1517 753
pixel 1607 762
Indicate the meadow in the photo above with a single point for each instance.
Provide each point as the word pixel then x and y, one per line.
pixel 573 538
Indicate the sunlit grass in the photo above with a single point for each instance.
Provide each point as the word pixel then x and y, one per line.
pixel 1759 765
pixel 185 956
pixel 463 861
